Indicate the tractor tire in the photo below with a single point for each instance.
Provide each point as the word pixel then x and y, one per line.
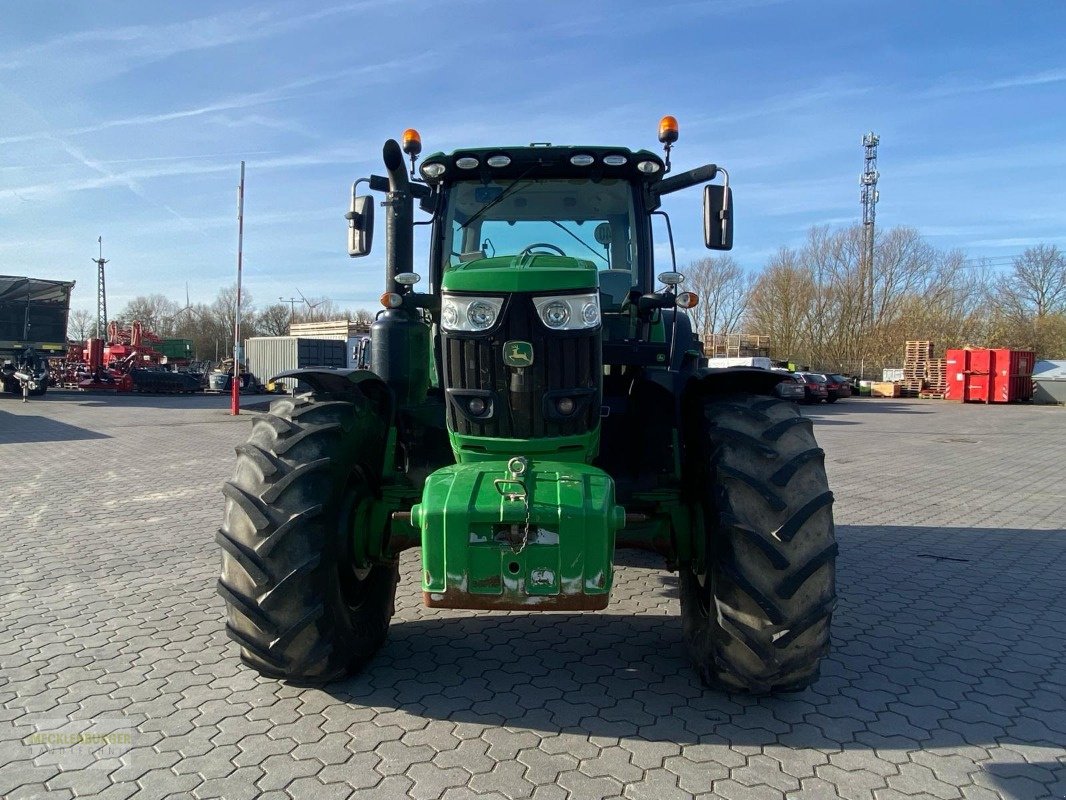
pixel 297 606
pixel 757 620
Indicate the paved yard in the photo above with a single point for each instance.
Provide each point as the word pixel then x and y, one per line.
pixel 947 677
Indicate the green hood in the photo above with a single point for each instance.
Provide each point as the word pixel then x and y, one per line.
pixel 534 272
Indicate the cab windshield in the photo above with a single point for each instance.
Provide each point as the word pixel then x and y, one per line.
pixel 564 217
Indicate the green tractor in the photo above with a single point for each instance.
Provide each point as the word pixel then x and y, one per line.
pixel 542 403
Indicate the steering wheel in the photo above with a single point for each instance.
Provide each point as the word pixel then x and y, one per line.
pixel 545 245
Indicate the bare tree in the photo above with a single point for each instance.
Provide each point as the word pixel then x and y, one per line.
pixel 723 288
pixel 1036 285
pixel 274 320
pixel 362 317
pixel 779 303
pixel 155 312
pixel 81 324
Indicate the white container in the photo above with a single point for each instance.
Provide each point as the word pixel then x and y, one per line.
pixel 268 356
pixel 760 362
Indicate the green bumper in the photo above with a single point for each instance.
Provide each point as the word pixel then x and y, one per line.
pixel 493 539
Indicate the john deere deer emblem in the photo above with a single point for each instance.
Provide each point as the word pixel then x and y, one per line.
pixel 518 354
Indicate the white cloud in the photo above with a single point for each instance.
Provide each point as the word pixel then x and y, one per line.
pixel 955 86
pixel 101 53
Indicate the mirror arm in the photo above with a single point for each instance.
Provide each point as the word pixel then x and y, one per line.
pixel 703 174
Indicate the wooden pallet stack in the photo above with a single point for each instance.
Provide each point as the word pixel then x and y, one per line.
pixel 936 379
pixel 916 360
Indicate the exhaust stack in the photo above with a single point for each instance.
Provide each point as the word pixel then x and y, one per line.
pixel 399 217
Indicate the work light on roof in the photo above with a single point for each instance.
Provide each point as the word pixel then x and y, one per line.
pixel 466 162
pixel 581 160
pixel 498 161
pixel 433 169
pixel 614 160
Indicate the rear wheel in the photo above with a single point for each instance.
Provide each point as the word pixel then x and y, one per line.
pixel 297 605
pixel 756 618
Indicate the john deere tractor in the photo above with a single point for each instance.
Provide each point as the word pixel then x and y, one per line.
pixel 540 404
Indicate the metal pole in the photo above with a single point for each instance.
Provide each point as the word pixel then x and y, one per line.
pixel 235 389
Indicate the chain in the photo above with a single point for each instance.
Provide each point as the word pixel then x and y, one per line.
pixel 517 467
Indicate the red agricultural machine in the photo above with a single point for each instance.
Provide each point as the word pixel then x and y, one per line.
pixel 130 360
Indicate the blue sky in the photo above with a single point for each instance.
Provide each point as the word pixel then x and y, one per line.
pixel 129 120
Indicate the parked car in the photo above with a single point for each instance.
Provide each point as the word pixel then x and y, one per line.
pixel 792 387
pixel 837 386
pixel 814 386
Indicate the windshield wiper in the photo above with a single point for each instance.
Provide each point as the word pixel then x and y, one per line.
pixel 507 191
pixel 581 241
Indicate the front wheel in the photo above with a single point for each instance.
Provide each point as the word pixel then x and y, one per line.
pixel 756 616
pixel 298 605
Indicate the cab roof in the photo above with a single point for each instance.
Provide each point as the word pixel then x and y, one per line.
pixel 544 161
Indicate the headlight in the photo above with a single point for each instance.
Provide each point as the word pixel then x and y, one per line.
pixel 569 312
pixel 469 313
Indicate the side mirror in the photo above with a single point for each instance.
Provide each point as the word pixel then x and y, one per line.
pixel 360 226
pixel 718 217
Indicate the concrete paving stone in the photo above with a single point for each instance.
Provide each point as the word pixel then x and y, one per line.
pixel 732 790
pixel 357 772
pixel 612 762
pixel 914 778
pixel 314 788
pixel 656 785
pixel 506 778
pixel 505 744
pixel 470 755
pixel 714 750
pixel 259 746
pixel 215 763
pixel 161 783
pixel 581 787
pixel 394 787
pixel 650 754
pixel 854 784
pixel 797 763
pixel 236 785
pixel 37 792
pixel 954 770
pixel 981 793
pixel 397 757
pixel 431 781
pixel 81 782
pixel 761 770
pixel 695 778
pixel 140 761
pixel 894 794
pixel 280 770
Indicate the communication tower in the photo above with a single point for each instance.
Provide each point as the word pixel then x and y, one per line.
pixel 869 197
pixel 101 295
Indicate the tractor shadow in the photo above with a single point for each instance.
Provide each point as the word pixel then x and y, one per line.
pixel 935 644
pixel 27 429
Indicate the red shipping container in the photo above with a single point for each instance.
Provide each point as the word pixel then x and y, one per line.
pixel 989 376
